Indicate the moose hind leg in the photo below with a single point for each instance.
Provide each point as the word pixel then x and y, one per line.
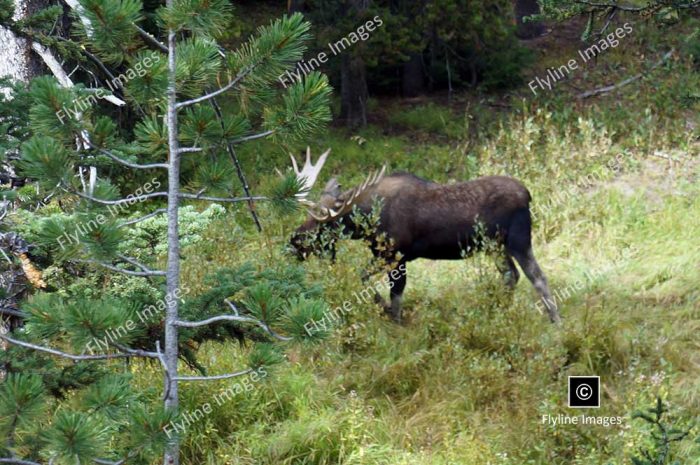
pixel 508 270
pixel 519 245
pixel 534 273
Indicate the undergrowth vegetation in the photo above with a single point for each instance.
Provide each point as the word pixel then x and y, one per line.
pixel 468 377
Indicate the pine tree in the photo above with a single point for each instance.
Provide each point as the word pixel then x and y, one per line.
pixel 82 153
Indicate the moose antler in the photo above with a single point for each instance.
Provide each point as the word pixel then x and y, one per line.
pixel 309 173
pixel 344 206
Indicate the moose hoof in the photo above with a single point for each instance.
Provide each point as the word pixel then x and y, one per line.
pixel 394 316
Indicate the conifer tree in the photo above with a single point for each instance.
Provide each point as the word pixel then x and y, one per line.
pixel 85 154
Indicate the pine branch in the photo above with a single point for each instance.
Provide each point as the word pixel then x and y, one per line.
pixel 239 170
pixel 134 352
pixel 221 199
pixel 109 462
pixel 143 218
pixel 636 9
pixel 13 312
pixel 53 64
pixel 28 462
pixel 214 377
pixel 123 271
pixel 252 137
pixel 232 83
pixel 150 39
pixel 121 160
pixel 190 150
pixel 59 353
pixel 18 461
pixel 612 5
pixel 120 201
pixel 235 317
pixel 136 263
pixel 606 89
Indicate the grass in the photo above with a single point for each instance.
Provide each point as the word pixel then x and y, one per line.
pixel 469 375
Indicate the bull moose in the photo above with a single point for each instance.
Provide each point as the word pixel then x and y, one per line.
pixel 424 219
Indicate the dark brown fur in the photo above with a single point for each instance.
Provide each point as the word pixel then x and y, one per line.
pixel 424 219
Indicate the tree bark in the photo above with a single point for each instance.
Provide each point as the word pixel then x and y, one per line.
pixel 16 59
pixel 412 83
pixel 172 452
pixel 353 75
pixel 353 92
pixel 527 30
pixel 295 5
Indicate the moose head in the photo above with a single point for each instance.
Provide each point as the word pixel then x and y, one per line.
pixel 330 213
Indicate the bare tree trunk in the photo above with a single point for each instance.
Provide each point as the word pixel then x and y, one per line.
pixel 172 452
pixel 353 92
pixel 295 5
pixel 16 59
pixel 353 77
pixel 529 29
pixel 412 82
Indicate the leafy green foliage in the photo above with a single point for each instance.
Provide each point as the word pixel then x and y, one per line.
pixel 14 106
pixel 663 13
pixel 109 397
pixel 111 32
pixel 198 65
pixel 304 110
pixel 46 161
pixel 663 437
pixel 284 192
pixel 7 9
pixel 205 18
pixel 148 236
pixel 147 87
pixel 21 402
pixel 84 321
pixel 304 312
pixel 265 355
pixel 75 437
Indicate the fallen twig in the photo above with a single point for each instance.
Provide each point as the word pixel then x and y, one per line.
pixel 606 89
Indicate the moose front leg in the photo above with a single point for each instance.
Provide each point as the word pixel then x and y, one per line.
pixel 397 284
pixel 378 299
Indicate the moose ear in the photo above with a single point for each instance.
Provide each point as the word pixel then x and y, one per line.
pixel 332 188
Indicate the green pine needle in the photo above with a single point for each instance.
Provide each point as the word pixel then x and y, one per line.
pixel 306 109
pixel 111 33
pixel 283 194
pixel 208 18
pixel 265 355
pixel 110 396
pixel 75 437
pixel 263 303
pixel 300 318
pixel 47 161
pixel 21 402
